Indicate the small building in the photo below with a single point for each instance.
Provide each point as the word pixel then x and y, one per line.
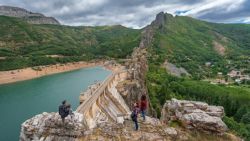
pixel 219 73
pixel 208 64
pixel 234 73
pixel 244 77
pixel 219 81
pixel 237 80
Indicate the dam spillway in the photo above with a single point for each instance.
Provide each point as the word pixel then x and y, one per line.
pixel 104 103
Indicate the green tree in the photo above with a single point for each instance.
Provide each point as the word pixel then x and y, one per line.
pixel 246 118
pixel 240 112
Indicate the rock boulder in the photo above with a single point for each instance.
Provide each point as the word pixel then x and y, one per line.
pixel 195 115
pixel 49 126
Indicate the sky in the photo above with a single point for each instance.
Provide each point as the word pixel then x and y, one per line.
pixel 135 13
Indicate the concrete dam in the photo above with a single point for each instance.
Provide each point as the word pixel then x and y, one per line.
pixel 103 103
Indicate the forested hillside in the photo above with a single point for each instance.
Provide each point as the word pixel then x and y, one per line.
pixel 192 44
pixel 23 45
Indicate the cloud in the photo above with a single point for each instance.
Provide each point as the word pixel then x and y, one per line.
pixel 134 13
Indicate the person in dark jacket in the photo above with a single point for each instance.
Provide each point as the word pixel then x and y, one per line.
pixel 134 115
pixel 63 110
pixel 143 106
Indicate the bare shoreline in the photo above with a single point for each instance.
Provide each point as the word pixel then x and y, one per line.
pixel 39 71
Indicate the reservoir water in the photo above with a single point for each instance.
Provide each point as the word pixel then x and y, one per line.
pixel 22 100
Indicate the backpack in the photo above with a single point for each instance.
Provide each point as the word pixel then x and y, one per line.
pixel 62 112
pixel 133 116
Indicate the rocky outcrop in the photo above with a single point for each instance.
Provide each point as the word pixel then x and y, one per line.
pixel 159 20
pixel 195 115
pixel 219 48
pixel 33 18
pixel 49 126
pixel 149 31
pixel 174 70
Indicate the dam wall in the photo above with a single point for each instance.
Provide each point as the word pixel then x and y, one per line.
pixel 103 103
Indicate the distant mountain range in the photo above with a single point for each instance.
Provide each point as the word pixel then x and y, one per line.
pixel 30 17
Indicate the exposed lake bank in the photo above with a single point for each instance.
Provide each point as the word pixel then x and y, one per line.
pixel 39 71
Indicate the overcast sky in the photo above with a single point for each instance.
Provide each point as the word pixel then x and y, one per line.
pixel 135 13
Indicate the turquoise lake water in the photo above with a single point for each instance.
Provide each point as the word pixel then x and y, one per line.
pixel 22 100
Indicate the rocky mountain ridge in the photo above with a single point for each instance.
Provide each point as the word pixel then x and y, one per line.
pixel 138 66
pixel 30 17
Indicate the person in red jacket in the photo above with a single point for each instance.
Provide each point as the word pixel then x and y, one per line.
pixel 143 106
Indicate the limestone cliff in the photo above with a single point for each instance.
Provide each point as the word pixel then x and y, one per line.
pixel 135 86
pixel 149 31
pixel 30 17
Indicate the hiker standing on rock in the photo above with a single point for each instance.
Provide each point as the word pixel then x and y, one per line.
pixel 63 110
pixel 143 106
pixel 134 115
